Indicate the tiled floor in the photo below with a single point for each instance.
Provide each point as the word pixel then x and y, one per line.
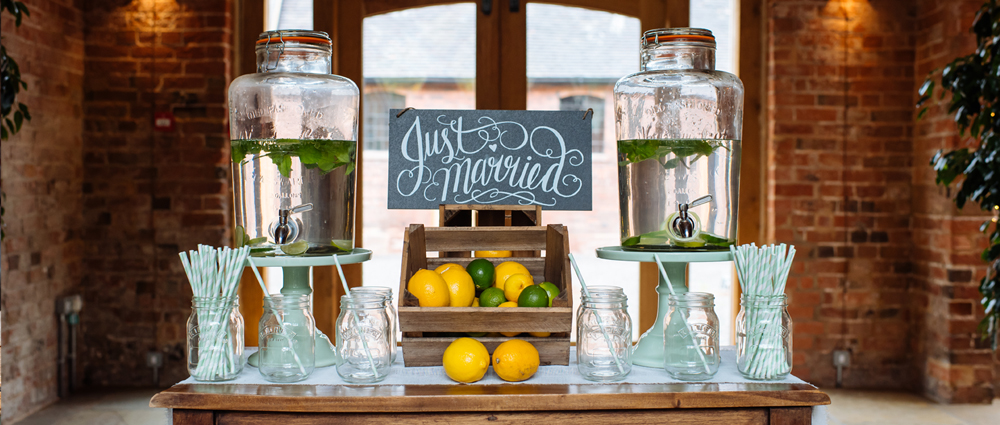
pixel 124 407
pixel 850 407
pixel 857 407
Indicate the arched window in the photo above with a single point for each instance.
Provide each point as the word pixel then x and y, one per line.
pixel 583 103
pixel 376 116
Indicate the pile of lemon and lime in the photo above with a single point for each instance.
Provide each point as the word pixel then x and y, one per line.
pixel 481 284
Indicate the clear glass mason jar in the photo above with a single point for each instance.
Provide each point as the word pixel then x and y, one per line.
pixel 607 355
pixel 294 131
pixel 363 354
pixel 679 122
pixel 287 340
pixel 215 339
pixel 691 337
pixel 764 337
pixel 390 311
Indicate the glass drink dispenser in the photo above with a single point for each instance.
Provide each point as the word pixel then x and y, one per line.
pixel 679 124
pixel 294 132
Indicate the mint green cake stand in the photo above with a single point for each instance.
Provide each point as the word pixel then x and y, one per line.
pixel 295 273
pixel 649 350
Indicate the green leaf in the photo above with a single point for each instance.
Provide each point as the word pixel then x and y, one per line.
pixel 3 133
pixel 18 120
pixel 285 166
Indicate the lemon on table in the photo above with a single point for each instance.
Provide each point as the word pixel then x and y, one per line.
pixel 460 287
pixel 504 270
pixel 492 297
pixel 509 304
pixel 515 284
pixel 295 248
pixel 447 266
pixel 551 289
pixel 482 272
pixel 515 360
pixel 540 334
pixel 466 360
pixel 533 296
pixel 491 254
pixel 475 302
pixel 430 289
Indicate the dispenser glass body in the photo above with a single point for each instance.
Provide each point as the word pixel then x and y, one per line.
pixel 679 126
pixel 294 129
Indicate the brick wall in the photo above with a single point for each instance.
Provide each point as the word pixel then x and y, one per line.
pixel 148 195
pixel 841 95
pixel 42 174
pixel 956 366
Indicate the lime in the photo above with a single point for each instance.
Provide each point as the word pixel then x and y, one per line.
pixel 482 273
pixel 342 244
pixel 296 248
pixel 533 296
pixel 241 236
pixel 491 297
pixel 257 241
pixel 716 240
pixel 550 289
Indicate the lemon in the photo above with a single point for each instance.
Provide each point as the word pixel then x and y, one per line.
pixel 430 289
pixel 492 254
pixel 447 266
pixel 462 290
pixel 475 302
pixel 515 360
pixel 509 304
pixel 505 270
pixel 466 360
pixel 540 334
pixel 296 248
pixel 515 284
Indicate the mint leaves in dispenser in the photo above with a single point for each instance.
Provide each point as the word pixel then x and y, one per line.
pixel 679 124
pixel 294 132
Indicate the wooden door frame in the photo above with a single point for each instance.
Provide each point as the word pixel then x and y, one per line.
pixel 505 87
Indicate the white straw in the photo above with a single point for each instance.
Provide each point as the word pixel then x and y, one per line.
pixel 357 321
pixel 690 331
pixel 611 346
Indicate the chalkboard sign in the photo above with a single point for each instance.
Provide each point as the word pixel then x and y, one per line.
pixel 490 157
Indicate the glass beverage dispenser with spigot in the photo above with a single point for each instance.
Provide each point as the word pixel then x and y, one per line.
pixel 679 124
pixel 294 132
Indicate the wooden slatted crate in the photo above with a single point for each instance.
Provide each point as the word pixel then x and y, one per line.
pixel 427 330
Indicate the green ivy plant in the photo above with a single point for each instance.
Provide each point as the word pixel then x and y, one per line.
pixel 974 84
pixel 10 79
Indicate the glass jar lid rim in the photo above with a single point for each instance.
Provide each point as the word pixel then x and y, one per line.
pixel 691 297
pixel 276 37
pixel 691 36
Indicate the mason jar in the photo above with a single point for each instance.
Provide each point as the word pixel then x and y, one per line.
pixel 294 129
pixel 679 123
pixel 215 339
pixel 287 340
pixel 363 354
pixel 604 335
pixel 390 311
pixel 764 337
pixel 691 337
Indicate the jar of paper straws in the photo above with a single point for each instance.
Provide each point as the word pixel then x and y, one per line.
pixel 763 326
pixel 215 327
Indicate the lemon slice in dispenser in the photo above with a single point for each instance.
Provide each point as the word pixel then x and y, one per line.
pixel 296 248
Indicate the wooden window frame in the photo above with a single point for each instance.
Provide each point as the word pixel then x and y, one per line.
pixel 501 38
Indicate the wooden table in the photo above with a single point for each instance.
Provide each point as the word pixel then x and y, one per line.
pixel 728 404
